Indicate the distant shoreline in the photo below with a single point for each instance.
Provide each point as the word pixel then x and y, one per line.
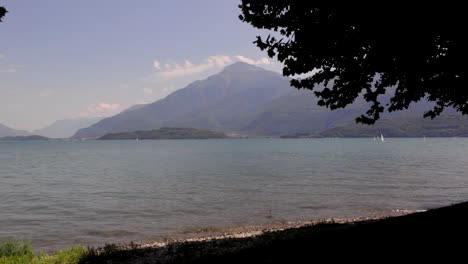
pixel 15 139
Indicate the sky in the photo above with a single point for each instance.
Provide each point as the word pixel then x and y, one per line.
pixel 69 59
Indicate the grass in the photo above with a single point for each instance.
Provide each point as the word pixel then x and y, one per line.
pixel 14 252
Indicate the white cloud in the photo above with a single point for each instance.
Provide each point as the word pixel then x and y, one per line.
pixel 261 61
pixel 265 61
pixel 188 64
pixel 188 68
pixel 147 91
pixel 220 60
pixel 157 65
pixel 178 71
pixel 102 107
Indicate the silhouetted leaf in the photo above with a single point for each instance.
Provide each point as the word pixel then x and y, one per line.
pixel 364 50
pixel 3 11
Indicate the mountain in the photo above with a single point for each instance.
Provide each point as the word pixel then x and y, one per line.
pixel 242 98
pixel 166 133
pixel 10 132
pixel 298 112
pixel 66 128
pixel 442 126
pixel 225 101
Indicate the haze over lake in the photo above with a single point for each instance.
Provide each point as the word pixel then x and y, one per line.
pixel 56 193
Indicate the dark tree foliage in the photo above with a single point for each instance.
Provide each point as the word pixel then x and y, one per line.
pixel 421 51
pixel 2 12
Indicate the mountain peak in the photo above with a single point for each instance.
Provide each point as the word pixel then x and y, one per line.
pixel 241 67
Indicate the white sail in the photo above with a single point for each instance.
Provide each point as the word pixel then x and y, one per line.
pixel 382 138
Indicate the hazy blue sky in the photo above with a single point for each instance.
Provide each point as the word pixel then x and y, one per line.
pixel 62 59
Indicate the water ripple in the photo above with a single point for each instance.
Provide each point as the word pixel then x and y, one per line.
pixel 93 192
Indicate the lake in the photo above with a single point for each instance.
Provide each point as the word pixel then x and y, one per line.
pixel 59 193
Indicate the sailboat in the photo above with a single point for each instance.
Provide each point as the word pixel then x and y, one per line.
pixel 382 138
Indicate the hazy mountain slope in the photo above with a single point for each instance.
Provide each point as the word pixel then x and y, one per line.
pixel 298 112
pixel 8 131
pixel 66 128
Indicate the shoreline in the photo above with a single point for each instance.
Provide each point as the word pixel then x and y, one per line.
pixel 401 233
pixel 207 234
pixel 437 232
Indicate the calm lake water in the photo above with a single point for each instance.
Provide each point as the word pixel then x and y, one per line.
pixel 57 193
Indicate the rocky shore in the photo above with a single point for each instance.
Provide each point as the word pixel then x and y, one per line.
pixel 206 234
pixel 260 244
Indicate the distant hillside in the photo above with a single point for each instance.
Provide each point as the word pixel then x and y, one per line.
pixel 8 131
pixel 24 138
pixel 298 112
pixel 66 128
pixel 302 135
pixel 166 133
pixel 442 126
